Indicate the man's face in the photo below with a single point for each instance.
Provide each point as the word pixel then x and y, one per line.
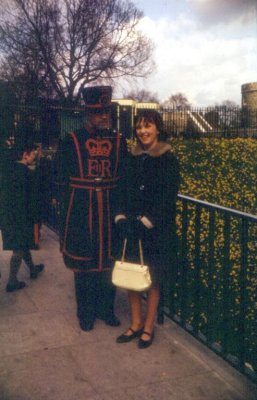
pixel 101 120
pixel 30 157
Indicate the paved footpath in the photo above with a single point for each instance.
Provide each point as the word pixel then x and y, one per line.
pixel 45 356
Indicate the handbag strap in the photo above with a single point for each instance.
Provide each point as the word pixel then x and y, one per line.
pixel 140 251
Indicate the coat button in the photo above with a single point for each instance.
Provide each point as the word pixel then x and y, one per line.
pixel 142 187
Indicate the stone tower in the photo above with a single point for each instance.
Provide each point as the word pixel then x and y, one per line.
pixel 249 95
pixel 249 105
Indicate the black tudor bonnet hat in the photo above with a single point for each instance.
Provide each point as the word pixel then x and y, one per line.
pixel 97 98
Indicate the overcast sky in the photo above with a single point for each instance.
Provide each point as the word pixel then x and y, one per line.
pixel 205 49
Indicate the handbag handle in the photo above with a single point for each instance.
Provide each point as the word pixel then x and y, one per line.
pixel 140 251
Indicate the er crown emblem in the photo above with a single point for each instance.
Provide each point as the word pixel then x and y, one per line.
pixel 99 147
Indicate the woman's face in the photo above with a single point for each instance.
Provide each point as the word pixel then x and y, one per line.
pixel 29 157
pixel 147 134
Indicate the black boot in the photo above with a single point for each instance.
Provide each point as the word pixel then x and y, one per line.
pixel 86 325
pixel 12 287
pixel 112 320
pixel 36 270
pixel 13 283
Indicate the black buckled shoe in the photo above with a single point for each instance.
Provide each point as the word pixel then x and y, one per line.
pixel 127 338
pixel 36 270
pixel 12 287
pixel 143 344
pixel 86 325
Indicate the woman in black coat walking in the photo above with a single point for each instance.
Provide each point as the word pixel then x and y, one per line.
pixel 148 213
pixel 20 213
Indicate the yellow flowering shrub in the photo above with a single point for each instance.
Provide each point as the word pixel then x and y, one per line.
pixel 222 172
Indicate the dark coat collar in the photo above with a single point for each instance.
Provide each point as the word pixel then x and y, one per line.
pixel 157 151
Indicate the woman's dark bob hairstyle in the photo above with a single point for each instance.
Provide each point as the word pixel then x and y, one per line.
pixel 153 117
pixel 24 147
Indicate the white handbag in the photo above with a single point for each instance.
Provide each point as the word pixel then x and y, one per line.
pixel 131 276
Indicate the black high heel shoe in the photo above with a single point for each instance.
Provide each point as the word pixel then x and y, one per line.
pixel 143 344
pixel 127 338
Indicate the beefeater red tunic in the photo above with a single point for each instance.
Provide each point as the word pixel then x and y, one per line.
pixel 90 173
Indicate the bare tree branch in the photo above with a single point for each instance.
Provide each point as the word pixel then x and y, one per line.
pixel 71 43
pixel 178 100
pixel 142 96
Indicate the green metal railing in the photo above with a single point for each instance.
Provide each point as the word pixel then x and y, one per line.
pixel 46 124
pixel 214 297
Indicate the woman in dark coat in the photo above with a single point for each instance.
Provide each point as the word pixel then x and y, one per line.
pixel 149 214
pixel 20 214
